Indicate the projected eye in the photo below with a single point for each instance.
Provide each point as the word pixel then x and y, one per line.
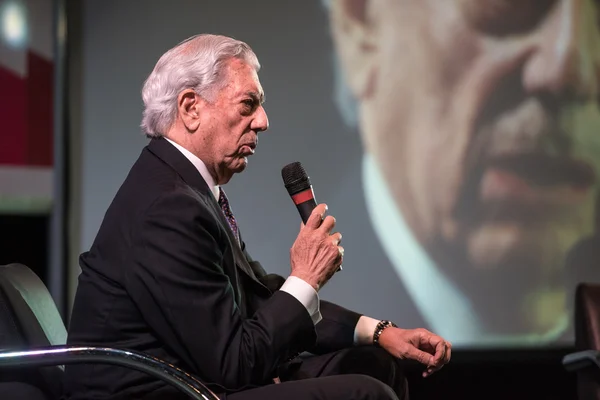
pixel 505 17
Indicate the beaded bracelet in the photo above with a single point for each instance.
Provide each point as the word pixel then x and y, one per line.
pixel 379 329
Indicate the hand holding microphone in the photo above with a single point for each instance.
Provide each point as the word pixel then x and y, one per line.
pixel 316 254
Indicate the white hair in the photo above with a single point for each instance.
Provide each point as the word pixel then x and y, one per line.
pixel 196 63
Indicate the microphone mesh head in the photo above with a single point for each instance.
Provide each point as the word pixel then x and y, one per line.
pixel 295 178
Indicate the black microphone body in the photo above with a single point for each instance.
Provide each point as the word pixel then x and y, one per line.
pixel 299 188
pixel 305 209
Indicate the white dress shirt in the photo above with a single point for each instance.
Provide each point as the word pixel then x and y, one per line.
pixel 301 290
pixel 431 291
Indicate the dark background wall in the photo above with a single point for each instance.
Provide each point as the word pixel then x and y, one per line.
pixel 24 239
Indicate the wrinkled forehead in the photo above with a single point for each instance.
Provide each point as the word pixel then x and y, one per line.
pixel 242 78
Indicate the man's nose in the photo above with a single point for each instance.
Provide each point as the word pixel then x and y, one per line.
pixel 261 121
pixel 566 53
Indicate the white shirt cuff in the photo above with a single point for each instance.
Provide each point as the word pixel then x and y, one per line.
pixel 305 294
pixel 365 328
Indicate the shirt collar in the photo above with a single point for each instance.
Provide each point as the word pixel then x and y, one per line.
pixel 200 166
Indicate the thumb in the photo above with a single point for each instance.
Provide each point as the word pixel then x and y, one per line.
pixel 418 355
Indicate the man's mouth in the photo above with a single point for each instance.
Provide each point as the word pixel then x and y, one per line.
pixel 535 179
pixel 247 149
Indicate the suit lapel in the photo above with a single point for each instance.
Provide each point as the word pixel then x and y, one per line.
pixel 238 255
pixel 188 172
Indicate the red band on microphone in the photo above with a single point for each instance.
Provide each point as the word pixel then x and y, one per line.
pixel 303 196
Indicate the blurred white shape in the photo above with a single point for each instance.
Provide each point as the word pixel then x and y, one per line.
pixel 13 22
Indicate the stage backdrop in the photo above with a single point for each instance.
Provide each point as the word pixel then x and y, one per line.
pixel 456 145
pixel 26 96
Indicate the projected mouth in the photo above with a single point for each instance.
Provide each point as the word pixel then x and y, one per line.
pixel 519 164
pixel 536 179
pixel 545 171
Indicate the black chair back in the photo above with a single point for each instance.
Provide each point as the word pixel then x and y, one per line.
pixel 29 318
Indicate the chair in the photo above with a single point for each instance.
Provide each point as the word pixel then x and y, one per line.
pixel 586 361
pixel 33 350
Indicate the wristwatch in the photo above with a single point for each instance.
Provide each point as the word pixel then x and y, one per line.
pixel 380 328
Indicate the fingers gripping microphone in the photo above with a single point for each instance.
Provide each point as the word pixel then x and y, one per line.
pixel 298 185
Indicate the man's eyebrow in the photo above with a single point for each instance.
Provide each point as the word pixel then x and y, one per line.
pixel 258 97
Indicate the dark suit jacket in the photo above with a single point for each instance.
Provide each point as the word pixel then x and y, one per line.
pixel 165 276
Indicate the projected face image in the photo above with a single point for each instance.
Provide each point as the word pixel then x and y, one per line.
pixel 482 117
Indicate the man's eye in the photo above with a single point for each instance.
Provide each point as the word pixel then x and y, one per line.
pixel 248 106
pixel 506 17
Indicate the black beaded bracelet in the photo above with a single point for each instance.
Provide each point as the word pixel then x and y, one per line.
pixel 379 329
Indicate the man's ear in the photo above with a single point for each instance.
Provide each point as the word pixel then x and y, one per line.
pixel 354 33
pixel 188 108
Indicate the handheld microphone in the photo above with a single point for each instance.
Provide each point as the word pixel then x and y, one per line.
pixel 298 185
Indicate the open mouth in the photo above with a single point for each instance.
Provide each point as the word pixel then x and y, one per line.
pixel 534 182
pixel 545 171
pixel 513 173
pixel 525 187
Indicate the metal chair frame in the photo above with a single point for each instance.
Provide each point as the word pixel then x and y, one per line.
pixel 62 355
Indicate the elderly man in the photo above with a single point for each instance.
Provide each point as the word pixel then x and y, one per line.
pixel 169 273
pixel 480 125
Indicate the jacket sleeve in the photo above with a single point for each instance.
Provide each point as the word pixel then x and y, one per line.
pixel 178 283
pixel 335 331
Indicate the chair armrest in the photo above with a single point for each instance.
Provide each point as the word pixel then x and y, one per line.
pixel 62 355
pixel 582 359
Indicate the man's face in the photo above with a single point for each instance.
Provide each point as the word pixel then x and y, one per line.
pixel 230 122
pixel 483 117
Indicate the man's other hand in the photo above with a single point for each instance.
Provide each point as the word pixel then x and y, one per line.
pixel 417 344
